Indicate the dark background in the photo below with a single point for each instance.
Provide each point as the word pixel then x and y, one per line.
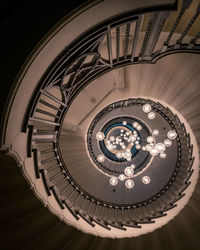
pixel 24 222
pixel 23 23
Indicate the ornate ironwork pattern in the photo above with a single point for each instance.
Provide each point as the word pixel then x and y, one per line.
pixel 79 64
pixel 83 60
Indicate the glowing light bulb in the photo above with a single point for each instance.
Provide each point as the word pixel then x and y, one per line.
pixel 124 123
pixel 151 115
pixel 128 171
pixel 119 155
pixel 113 181
pixel 135 124
pixel 133 166
pixel 150 139
pixel 148 147
pixel 160 147
pixel 138 146
pixel 171 134
pixel 146 108
pixel 129 183
pixel 122 177
pixel 144 148
pixel 132 138
pixel 167 142
pixel 146 179
pixel 110 146
pixel 112 138
pixel 153 151
pixel 100 136
pixel 163 155
pixel 139 127
pixel 155 132
pixel 100 158
pixel 128 154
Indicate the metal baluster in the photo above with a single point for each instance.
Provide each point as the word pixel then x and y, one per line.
pixel 54 176
pixel 154 28
pixel 71 193
pixel 116 216
pixel 65 189
pixel 109 41
pixel 49 159
pixel 47 151
pixel 53 167
pixel 49 105
pixel 88 212
pixel 127 40
pixel 61 182
pixel 46 113
pixel 185 5
pixel 135 38
pixel 52 97
pixel 179 41
pixel 117 42
pixel 77 199
pixel 102 213
pixel 83 203
pixel 122 214
pixel 194 40
pixel 146 37
pixel 96 208
pixel 129 215
pixel 109 214
pixel 35 119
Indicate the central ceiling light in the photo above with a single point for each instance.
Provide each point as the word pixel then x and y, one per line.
pixel 121 140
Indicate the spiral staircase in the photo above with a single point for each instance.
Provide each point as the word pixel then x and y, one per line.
pixel 129 54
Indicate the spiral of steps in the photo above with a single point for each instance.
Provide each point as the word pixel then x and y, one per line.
pixel 154 55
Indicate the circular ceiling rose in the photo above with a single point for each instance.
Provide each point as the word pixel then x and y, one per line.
pixel 142 175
